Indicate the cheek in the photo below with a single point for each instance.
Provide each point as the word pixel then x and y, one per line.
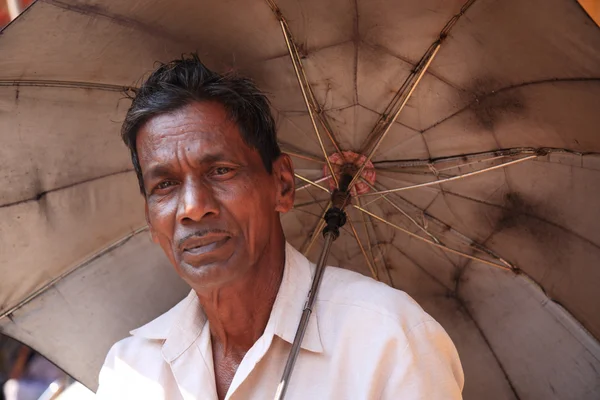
pixel 253 210
pixel 166 244
pixel 261 216
pixel 161 217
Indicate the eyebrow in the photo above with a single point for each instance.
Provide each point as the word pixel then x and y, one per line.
pixel 158 170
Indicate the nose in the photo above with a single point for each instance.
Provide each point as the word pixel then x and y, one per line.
pixel 197 202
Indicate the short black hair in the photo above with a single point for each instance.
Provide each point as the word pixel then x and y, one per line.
pixel 187 80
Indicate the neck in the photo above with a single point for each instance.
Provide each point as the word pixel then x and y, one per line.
pixel 238 313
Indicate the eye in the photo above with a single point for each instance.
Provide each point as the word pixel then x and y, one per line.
pixel 165 185
pixel 220 171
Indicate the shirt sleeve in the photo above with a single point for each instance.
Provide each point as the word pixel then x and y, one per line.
pixel 427 368
pixel 108 380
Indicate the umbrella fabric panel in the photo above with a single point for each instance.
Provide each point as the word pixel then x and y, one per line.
pixel 485 377
pixel 544 351
pixel 507 43
pixel 212 27
pixel 45 148
pixel 78 319
pixel 380 73
pixel 67 180
pixel 543 220
pixel 540 114
pixel 80 47
pixel 43 239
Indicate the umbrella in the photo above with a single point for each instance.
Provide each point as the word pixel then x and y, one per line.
pixel 471 128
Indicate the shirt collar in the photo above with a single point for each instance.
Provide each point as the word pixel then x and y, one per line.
pixel 182 325
pixel 292 295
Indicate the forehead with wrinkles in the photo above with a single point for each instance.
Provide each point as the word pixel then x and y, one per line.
pixel 201 131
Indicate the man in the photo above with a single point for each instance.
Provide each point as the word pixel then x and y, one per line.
pixel 215 182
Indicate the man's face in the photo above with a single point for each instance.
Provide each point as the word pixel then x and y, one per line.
pixel 210 203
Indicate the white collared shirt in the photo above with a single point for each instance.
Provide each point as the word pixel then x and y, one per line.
pixel 364 340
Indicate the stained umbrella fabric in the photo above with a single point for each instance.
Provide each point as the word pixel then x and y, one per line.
pixel 479 121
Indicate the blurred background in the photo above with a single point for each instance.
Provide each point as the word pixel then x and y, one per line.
pixel 27 375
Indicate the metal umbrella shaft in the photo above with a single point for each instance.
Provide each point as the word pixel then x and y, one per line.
pixel 306 312
pixel 335 218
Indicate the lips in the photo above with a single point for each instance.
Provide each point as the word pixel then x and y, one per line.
pixel 204 244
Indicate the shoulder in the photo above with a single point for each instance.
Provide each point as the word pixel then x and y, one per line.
pixel 362 297
pixel 145 343
pixel 373 324
pixel 134 368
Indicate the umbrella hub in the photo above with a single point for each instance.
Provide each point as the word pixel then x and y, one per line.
pixel 349 162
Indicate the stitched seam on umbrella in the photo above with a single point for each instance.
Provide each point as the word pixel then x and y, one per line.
pixel 46 192
pixel 412 63
pixel 505 373
pixel 478 99
pixel 7 312
pixel 116 18
pixel 530 216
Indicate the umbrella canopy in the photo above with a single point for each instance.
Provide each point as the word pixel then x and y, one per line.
pixel 479 119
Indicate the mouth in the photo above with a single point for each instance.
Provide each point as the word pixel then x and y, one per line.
pixel 203 245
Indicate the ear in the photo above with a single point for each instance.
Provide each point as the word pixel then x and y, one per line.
pixel 152 232
pixel 283 173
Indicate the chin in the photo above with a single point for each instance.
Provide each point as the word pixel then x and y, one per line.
pixel 212 275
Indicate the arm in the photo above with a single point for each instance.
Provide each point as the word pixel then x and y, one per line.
pixel 427 368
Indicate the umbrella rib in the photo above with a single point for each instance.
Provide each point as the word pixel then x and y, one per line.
pixel 406 91
pixel 381 255
pixel 470 163
pixel 362 250
pixel 306 100
pixel 304 157
pixel 439 245
pixel 308 203
pixel 411 219
pixel 396 105
pixel 515 151
pixel 59 278
pixel 369 238
pixel 305 88
pixel 453 178
pixel 400 99
pixel 419 162
pixel 315 234
pixel 319 227
pixel 463 237
pixel 311 183
pixel 66 85
pixel 298 153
